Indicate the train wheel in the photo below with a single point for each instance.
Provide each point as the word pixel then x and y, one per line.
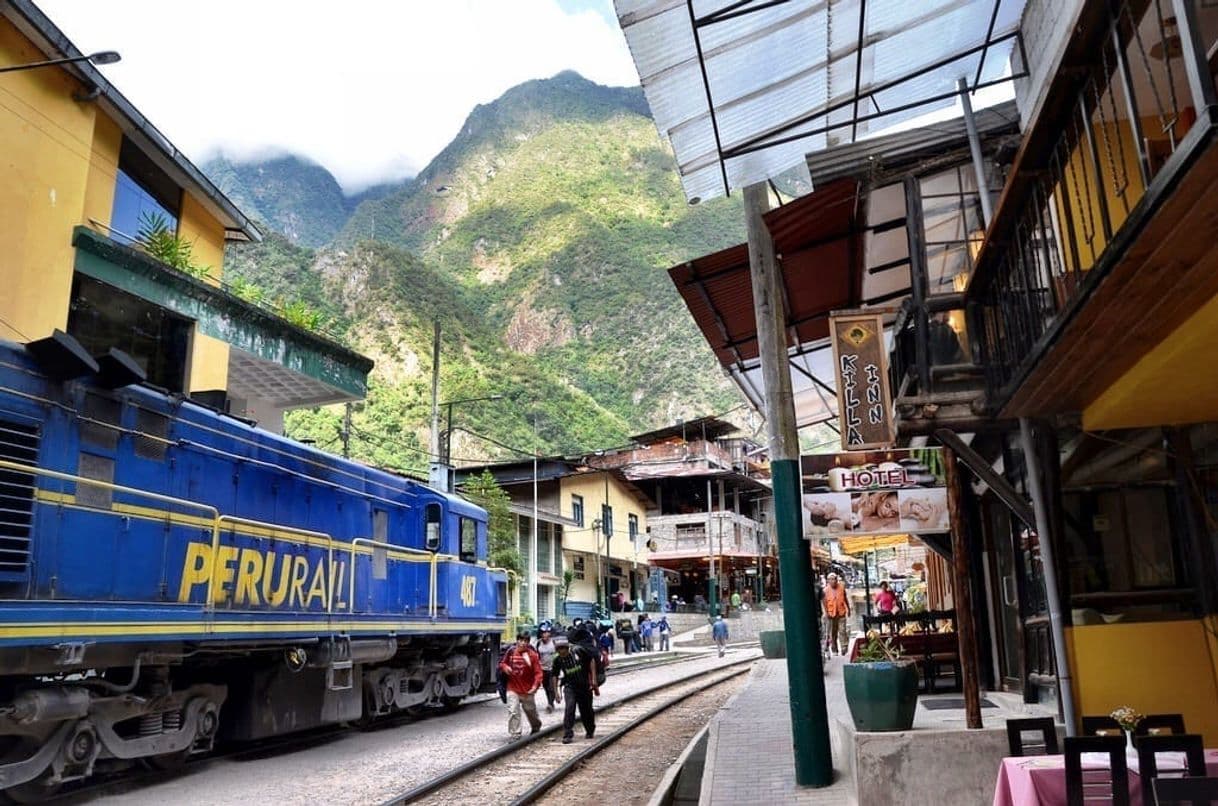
pixel 35 791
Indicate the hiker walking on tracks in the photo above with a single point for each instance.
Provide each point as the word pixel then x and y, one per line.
pixel 578 674
pixel 719 633
pixel 521 665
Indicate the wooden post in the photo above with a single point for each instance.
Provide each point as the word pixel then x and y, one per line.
pixel 966 633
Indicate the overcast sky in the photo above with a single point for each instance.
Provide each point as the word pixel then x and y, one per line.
pixel 371 89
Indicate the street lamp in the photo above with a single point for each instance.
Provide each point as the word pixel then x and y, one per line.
pixel 101 57
pixel 596 531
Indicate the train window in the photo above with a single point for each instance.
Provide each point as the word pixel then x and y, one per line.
pixel 100 468
pixel 433 515
pixel 380 533
pixel 469 540
pixel 500 598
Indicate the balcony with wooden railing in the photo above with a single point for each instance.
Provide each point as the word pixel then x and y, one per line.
pixel 1102 243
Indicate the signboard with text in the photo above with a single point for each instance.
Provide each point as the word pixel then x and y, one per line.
pixel 898 491
pixel 860 369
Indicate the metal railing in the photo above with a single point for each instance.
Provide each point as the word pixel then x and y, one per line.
pixel 1112 130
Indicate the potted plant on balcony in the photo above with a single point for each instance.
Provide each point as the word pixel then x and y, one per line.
pixel 881 687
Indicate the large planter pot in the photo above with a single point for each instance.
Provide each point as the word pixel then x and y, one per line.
pixel 773 643
pixel 882 696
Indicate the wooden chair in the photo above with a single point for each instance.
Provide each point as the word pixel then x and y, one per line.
pixel 1102 726
pixel 1184 791
pixel 1190 744
pixel 1170 723
pixel 1044 725
pixel 1111 784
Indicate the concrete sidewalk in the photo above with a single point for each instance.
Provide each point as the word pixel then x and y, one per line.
pixel 749 753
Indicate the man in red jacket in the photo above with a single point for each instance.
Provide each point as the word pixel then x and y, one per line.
pixel 521 667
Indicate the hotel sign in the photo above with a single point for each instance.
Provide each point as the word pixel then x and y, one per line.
pixel 880 492
pixel 860 368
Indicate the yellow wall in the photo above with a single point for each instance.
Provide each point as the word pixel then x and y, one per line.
pixel 206 236
pixel 208 364
pixel 1153 667
pixel 1173 383
pixel 58 165
pixel 45 150
pixel 592 487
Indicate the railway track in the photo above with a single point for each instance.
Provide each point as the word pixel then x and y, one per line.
pixel 521 772
pixel 135 777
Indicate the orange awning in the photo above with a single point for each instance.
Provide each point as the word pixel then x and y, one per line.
pixel 861 544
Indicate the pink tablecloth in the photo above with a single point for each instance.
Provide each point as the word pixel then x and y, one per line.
pixel 1041 780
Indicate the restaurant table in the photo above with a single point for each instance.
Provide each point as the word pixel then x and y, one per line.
pixel 1041 780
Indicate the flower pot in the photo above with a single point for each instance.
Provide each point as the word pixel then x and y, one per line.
pixel 881 696
pixel 773 643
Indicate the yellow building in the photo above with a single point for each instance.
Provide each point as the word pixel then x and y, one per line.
pixel 83 171
pixel 607 549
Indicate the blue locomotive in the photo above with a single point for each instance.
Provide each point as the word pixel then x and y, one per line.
pixel 171 575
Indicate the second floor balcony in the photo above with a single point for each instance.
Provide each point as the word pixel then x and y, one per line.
pixel 1102 243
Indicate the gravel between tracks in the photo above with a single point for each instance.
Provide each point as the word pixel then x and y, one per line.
pixel 373 766
pixel 627 772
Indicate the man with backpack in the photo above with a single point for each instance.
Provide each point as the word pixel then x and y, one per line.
pixel 521 667
pixel 580 678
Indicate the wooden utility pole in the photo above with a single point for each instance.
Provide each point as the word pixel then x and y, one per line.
pixel 805 669
pixel 966 631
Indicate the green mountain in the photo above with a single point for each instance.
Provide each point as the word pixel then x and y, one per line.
pixel 539 238
pixel 295 197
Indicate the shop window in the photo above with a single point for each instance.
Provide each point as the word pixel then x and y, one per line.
pixel 1121 540
pixel 102 316
pixel 143 193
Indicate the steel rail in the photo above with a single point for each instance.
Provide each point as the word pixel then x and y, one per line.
pixel 458 772
pixel 554 778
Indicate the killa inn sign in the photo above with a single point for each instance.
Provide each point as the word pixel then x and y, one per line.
pixel 860 367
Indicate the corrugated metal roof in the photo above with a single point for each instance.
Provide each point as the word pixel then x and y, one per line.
pixel 744 89
pixel 893 152
pixel 818 241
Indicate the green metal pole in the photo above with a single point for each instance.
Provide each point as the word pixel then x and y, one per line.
pixel 805 671
pixel 805 666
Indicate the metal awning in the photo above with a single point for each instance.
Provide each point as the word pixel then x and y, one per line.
pixel 819 242
pixel 744 89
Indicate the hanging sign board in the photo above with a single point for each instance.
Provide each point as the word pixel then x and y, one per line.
pixel 893 492
pixel 860 369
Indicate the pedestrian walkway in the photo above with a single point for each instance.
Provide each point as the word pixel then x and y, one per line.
pixel 748 750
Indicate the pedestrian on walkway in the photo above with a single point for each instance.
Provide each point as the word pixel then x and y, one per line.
pixel 625 631
pixel 736 600
pixel 719 633
pixel 665 630
pixel 606 641
pixel 646 629
pixel 546 650
pixel 837 610
pixel 578 675
pixel 522 668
